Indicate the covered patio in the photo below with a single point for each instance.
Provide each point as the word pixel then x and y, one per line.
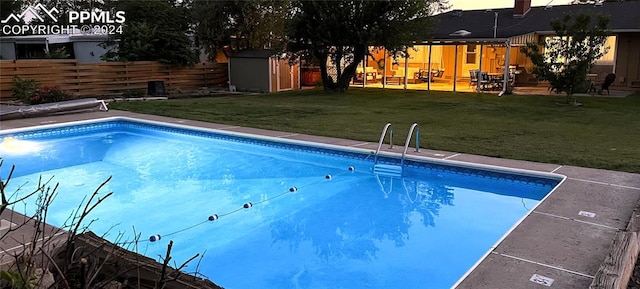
pixel 464 65
pixel 474 50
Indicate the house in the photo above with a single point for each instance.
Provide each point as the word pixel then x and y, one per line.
pixel 490 41
pixel 260 70
pixel 83 47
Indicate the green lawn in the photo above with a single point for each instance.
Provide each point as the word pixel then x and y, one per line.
pixel 603 133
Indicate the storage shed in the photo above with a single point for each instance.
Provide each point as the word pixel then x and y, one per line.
pixel 260 70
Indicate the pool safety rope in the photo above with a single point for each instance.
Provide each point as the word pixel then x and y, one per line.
pixel 211 218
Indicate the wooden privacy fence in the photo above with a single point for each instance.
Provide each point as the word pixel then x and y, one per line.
pixel 109 78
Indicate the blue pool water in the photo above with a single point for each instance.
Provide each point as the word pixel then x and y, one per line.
pixel 353 229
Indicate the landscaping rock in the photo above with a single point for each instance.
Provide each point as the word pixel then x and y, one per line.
pixel 45 278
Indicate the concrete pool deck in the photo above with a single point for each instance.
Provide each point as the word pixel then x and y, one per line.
pixel 566 238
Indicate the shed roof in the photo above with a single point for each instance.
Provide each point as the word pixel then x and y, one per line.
pixel 623 17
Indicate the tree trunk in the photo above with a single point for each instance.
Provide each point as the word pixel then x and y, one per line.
pixel 341 84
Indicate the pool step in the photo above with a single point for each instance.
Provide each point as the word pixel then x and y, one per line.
pixel 387 170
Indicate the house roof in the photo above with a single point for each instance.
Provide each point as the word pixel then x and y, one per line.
pixel 253 53
pixel 480 23
pixel 54 38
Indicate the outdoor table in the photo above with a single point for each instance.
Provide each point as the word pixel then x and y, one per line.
pixel 592 77
pixel 398 79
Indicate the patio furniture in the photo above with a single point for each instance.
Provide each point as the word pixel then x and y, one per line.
pixel 482 77
pixel 371 77
pixel 370 73
pixel 397 76
pixel 485 81
pixel 473 77
pixel 495 80
pixel 608 81
pixel 412 73
pixel 396 79
pixel 591 78
pixel 513 71
pixel 423 74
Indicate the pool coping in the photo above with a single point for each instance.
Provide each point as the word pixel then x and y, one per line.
pixel 562 241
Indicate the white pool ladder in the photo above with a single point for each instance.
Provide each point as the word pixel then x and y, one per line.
pixel 394 170
pixel 414 127
pixel 384 133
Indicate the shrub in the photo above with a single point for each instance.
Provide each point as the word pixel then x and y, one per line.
pixel 79 258
pixel 24 89
pixel 29 92
pixel 60 53
pixel 48 94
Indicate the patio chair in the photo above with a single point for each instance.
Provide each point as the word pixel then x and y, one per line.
pixel 484 80
pixel 473 75
pixel 608 80
pixel 423 75
pixel 513 70
pixel 439 73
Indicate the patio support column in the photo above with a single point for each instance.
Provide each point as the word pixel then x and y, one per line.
pixel 507 62
pixel 455 68
pixel 384 69
pixel 478 88
pixel 406 65
pixel 429 69
pixel 364 69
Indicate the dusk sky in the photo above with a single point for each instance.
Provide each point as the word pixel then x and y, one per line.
pixel 479 4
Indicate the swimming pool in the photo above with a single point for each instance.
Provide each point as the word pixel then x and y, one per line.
pixel 317 216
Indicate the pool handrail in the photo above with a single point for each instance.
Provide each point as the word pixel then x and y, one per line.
pixel 406 143
pixel 384 133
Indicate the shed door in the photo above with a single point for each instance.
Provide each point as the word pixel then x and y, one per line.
pixel 285 75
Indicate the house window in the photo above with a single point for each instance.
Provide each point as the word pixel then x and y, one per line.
pixel 30 51
pixel 38 51
pixel 608 57
pixel 472 54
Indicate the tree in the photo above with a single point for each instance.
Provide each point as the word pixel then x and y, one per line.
pixel 154 31
pixel 566 58
pixel 238 24
pixel 342 31
pixel 9 7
